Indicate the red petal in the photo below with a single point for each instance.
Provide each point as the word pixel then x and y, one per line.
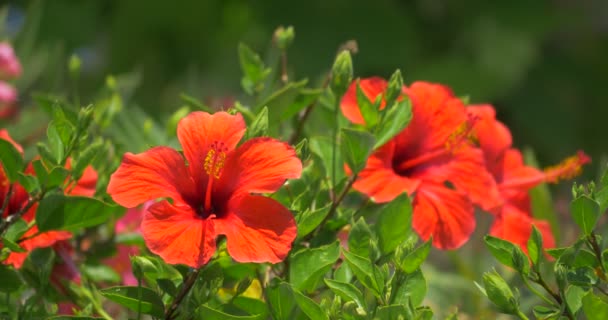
pixel 43 240
pixel 158 172
pixel 445 214
pixel 371 87
pixel 197 131
pixel 177 235
pixel 437 114
pixel 515 226
pixel 260 165
pixel 257 229
pixel 466 170
pixel 379 181
pixel 87 184
pixel 493 136
pixel 514 176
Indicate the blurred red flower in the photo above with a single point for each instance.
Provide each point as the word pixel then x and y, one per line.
pixel 514 219
pixel 212 194
pixel 432 160
pixel 19 198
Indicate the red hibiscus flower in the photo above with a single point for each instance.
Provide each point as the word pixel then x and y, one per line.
pixel 514 220
pixel 432 160
pixel 214 194
pixel 18 199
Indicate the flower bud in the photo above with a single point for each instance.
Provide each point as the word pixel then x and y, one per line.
pixel 8 94
pixel 341 73
pixel 9 64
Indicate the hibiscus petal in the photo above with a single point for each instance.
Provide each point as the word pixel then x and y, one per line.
pixel 445 214
pixel 257 229
pixel 43 240
pixel 158 172
pixel 197 131
pixel 515 176
pixel 493 136
pixel 371 87
pixel 437 115
pixel 260 165
pixel 86 185
pixel 466 170
pixel 379 181
pixel 177 235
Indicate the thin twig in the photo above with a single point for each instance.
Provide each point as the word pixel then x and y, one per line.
pixel 14 217
pixel 190 280
pixel 306 113
pixel 7 199
pixel 597 251
pixel 334 205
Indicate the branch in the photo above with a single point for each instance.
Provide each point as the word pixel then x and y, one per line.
pixel 190 280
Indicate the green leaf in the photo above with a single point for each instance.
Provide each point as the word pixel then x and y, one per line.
pixel 368 108
pixel 585 212
pixel 128 296
pixel 396 118
pixel 309 265
pixel 347 291
pixel 259 126
pixel 55 135
pixel 85 158
pixel 73 318
pixel 59 212
pixel 359 238
pixel 574 297
pixel 11 160
pixel 308 306
pixel 356 146
pixel 535 246
pixel 40 263
pixel 412 288
pixel 207 313
pixel 281 300
pixel 100 273
pixel 499 293
pixel 582 276
pixel 501 249
pixel 56 177
pixel 28 182
pixel 542 312
pixel 392 312
pixel 16 230
pixel 394 223
pixel 12 245
pixel 395 87
pixel 413 260
pixel 366 272
pixel 254 71
pixel 10 279
pixel 595 308
pixel 309 220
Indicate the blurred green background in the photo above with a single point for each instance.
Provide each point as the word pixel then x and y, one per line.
pixel 543 64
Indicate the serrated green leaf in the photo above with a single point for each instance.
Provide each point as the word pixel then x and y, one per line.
pixel 574 298
pixel 501 249
pixel 356 146
pixel 129 296
pixel 393 312
pixel 368 108
pixel 85 158
pixel 397 117
pixel 359 238
pixel 28 182
pixel 281 300
pixel 585 212
pixel 54 134
pixel 254 71
pixel 309 220
pixel 412 289
pixel 347 291
pixel 12 245
pixel 394 223
pixel 11 160
pixel 309 265
pixel 16 230
pixel 59 212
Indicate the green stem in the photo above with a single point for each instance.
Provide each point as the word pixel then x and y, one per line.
pixel 139 293
pixel 521 315
pixel 537 293
pixel 188 283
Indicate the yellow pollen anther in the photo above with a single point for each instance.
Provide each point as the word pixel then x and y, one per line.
pixel 567 169
pixel 214 161
pixel 462 136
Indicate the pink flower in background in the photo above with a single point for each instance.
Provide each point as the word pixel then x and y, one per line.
pixel 121 261
pixel 9 64
pixel 8 94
